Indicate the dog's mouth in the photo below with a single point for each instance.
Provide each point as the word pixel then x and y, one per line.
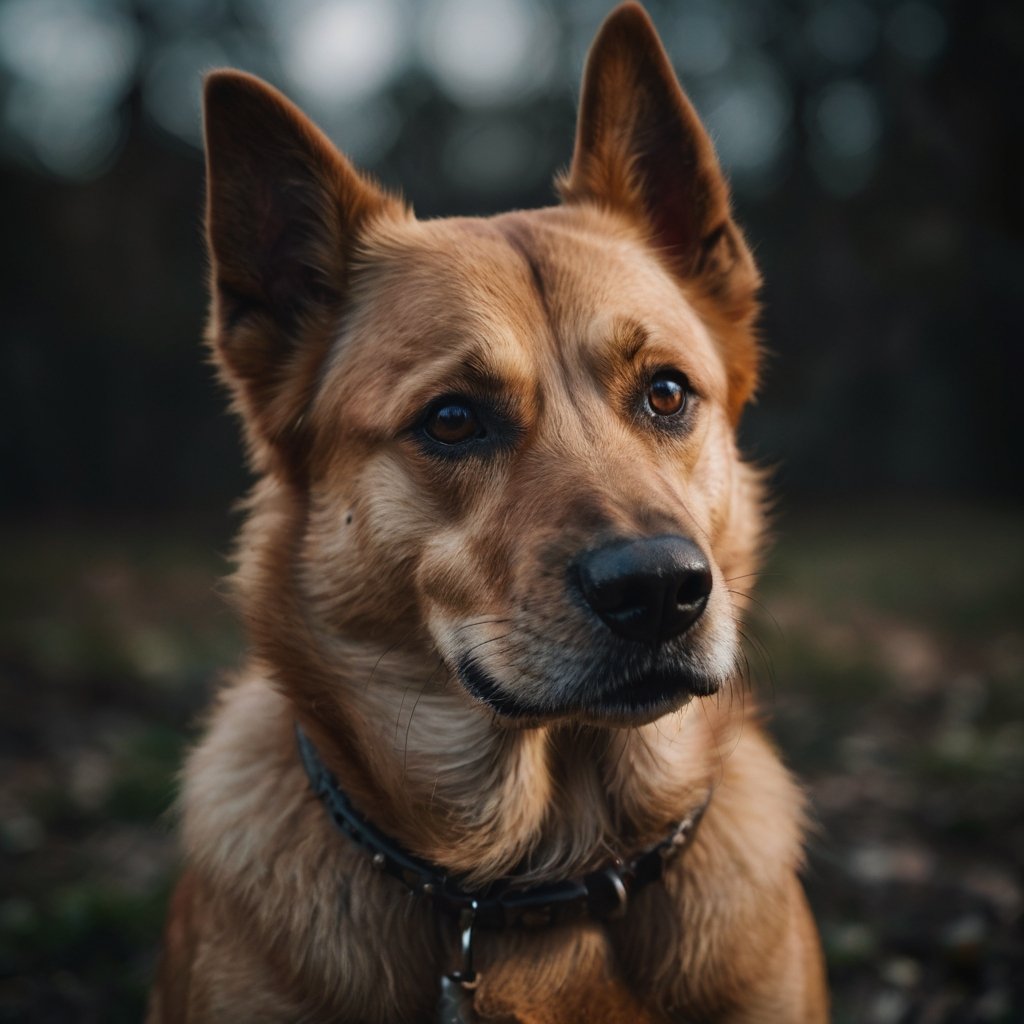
pixel 631 698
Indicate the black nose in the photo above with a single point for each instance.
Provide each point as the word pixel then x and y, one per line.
pixel 646 590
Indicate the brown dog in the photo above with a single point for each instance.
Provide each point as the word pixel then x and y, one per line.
pixel 486 568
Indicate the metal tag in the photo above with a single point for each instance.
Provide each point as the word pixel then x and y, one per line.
pixel 455 1005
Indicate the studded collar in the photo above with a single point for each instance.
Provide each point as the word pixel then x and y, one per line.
pixel 600 895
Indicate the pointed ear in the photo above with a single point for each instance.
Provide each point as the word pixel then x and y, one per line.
pixel 284 210
pixel 642 150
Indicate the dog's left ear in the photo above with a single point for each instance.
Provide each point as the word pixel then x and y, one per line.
pixel 642 150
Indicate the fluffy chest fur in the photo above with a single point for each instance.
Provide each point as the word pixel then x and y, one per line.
pixel 281 883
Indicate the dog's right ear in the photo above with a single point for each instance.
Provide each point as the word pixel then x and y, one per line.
pixel 284 210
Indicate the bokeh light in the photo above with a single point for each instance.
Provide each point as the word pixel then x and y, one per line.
pixel 847 129
pixel 917 30
pixel 488 51
pixel 844 31
pixel 362 67
pixel 170 89
pixel 70 65
pixel 340 52
pixel 748 112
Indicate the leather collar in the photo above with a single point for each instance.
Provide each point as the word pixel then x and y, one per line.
pixel 601 895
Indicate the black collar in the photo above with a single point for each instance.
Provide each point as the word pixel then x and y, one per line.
pixel 601 895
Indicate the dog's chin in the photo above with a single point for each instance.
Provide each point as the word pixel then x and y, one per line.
pixel 635 701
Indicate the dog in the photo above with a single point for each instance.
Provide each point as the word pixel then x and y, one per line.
pixel 491 756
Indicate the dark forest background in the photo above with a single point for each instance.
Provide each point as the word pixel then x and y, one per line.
pixel 876 149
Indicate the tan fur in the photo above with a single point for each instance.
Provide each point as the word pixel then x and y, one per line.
pixel 367 567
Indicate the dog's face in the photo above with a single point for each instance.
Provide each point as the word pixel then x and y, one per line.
pixel 527 423
pixel 512 437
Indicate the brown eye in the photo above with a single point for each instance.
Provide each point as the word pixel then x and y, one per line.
pixel 453 423
pixel 666 395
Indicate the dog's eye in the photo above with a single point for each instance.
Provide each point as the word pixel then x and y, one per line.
pixel 453 423
pixel 666 395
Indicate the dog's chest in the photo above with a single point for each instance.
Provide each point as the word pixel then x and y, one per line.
pixel 568 975
pixel 561 976
pixel 578 972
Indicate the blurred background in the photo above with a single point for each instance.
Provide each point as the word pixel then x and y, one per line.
pixel 876 149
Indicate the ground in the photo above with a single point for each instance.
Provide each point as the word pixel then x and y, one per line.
pixel 887 652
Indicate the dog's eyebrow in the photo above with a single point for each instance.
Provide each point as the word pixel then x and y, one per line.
pixel 622 344
pixel 474 373
pixel 629 337
pixel 616 346
pixel 482 376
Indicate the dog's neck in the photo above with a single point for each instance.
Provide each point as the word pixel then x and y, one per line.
pixel 461 789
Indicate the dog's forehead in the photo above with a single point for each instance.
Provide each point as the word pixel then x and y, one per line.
pixel 575 263
pixel 520 297
pixel 573 268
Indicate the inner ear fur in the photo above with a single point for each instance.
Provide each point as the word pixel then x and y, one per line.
pixel 284 212
pixel 641 150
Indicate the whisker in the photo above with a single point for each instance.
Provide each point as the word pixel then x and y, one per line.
pixel 489 621
pixel 408 725
pixel 757 646
pixel 398 643
pixel 721 758
pixel 757 575
pixel 484 643
pixel 764 608
pixel 398 716
pixel 747 675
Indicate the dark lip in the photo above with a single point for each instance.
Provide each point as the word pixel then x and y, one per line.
pixel 659 686
pixel 485 689
pixel 660 690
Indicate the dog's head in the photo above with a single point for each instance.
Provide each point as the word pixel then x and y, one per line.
pixel 505 442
